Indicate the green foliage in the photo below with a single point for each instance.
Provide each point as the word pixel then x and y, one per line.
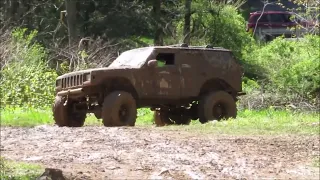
pixel 249 85
pixel 26 80
pixel 18 171
pixel 219 25
pixel 227 29
pixel 290 67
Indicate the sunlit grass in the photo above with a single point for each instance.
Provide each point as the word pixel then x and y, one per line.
pixel 25 117
pixel 22 117
pixel 260 122
pixel 19 170
pixel 248 122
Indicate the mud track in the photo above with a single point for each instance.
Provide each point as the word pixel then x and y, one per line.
pixel 154 153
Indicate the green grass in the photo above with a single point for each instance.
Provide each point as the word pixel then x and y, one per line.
pixel 266 122
pixel 21 117
pixel 11 170
pixel 316 162
pixel 25 117
pixel 248 122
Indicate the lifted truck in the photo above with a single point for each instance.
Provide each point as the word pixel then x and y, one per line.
pixel 179 83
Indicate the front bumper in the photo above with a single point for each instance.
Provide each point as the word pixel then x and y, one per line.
pixel 72 92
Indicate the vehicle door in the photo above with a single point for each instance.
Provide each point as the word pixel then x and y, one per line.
pixel 190 68
pixel 166 76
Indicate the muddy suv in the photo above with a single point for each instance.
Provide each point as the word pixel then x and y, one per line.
pixel 179 83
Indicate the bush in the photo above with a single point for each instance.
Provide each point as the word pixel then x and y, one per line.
pixel 290 68
pixel 26 80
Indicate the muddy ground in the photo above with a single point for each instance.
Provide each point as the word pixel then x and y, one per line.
pixel 155 153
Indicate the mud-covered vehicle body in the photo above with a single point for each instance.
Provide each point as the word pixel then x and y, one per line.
pixel 178 83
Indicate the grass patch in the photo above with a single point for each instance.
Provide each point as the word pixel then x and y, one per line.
pixel 25 117
pixel 248 122
pixel 11 170
pixel 316 162
pixel 22 117
pixel 266 122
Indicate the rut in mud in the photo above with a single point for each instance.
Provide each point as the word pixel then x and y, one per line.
pixel 151 153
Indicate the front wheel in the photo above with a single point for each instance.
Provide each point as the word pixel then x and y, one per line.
pixel 64 115
pixel 119 109
pixel 217 105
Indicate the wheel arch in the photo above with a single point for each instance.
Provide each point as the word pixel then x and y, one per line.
pixel 119 84
pixel 215 84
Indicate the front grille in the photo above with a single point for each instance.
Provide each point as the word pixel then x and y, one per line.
pixel 72 81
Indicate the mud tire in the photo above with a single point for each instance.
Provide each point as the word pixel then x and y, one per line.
pixel 63 115
pixel 161 118
pixel 219 99
pixel 115 103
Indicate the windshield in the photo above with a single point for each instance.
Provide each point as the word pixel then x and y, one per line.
pixel 132 58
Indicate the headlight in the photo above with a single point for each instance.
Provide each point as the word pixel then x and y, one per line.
pixel 87 77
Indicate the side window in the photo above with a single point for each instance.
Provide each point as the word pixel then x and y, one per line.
pixel 165 59
pixel 276 18
pixel 263 18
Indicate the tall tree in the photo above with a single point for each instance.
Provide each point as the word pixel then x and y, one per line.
pixel 71 20
pixel 158 36
pixel 187 21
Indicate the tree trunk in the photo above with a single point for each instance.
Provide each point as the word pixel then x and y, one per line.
pixel 71 20
pixel 187 22
pixel 8 15
pixel 158 38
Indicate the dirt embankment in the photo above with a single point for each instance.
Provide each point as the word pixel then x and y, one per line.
pixel 153 153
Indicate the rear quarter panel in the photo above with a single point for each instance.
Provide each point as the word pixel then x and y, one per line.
pixel 207 65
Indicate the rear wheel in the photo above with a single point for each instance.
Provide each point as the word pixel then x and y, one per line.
pixel 119 109
pixel 217 106
pixel 65 116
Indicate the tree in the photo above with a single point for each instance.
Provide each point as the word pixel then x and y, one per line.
pixel 187 21
pixel 72 20
pixel 158 35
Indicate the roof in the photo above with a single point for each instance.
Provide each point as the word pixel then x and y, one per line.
pixel 183 47
pixel 271 12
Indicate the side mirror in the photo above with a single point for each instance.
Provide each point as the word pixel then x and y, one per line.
pixel 152 63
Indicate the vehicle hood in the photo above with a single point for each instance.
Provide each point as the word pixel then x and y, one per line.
pixel 111 69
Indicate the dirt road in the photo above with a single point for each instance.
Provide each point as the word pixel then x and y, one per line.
pixel 154 153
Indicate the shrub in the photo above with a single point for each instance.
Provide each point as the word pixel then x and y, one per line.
pixel 26 80
pixel 289 67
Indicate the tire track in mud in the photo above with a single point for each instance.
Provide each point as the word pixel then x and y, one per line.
pixel 154 153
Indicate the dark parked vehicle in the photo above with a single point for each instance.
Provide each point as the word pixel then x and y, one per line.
pixel 269 24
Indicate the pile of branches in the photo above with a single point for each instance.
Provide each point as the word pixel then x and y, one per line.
pixel 262 100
